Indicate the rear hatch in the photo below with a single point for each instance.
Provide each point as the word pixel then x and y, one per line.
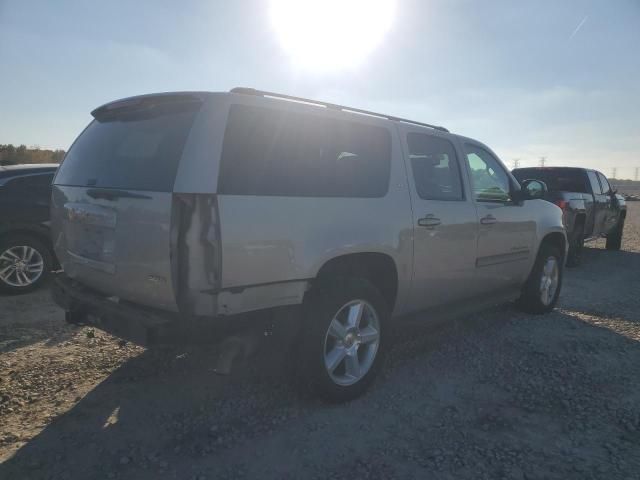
pixel 112 198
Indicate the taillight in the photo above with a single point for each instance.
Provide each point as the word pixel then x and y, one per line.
pixel 563 204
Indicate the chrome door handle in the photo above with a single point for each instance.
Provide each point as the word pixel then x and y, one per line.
pixel 488 220
pixel 429 221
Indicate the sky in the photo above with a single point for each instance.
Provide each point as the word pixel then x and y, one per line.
pixel 529 79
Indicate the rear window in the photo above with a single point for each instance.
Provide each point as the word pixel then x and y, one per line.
pixel 136 151
pixel 556 179
pixel 282 153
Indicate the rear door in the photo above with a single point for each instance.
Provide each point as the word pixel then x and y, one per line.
pixel 112 198
pixel 445 224
pixel 506 229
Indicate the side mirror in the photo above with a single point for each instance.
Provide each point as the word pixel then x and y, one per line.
pixel 531 189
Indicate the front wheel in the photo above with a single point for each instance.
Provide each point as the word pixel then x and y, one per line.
pixel 342 344
pixel 614 239
pixel 540 293
pixel 576 246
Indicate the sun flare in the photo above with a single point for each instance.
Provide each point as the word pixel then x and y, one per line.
pixel 331 35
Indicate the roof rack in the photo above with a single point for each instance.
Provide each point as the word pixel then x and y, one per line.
pixel 332 106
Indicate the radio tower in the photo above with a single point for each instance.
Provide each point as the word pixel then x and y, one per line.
pixel 516 163
pixel 637 171
pixel 542 160
pixel 613 172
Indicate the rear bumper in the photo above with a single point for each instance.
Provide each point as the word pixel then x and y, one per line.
pixel 140 325
pixel 147 326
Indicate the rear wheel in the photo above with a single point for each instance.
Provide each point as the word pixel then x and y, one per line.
pixel 540 293
pixel 342 344
pixel 576 246
pixel 25 263
pixel 614 239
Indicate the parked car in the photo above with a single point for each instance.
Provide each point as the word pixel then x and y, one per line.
pixel 183 210
pixel 26 254
pixel 591 208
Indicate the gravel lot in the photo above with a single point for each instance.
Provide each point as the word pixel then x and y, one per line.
pixel 497 395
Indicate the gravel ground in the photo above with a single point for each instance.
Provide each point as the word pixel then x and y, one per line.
pixel 497 395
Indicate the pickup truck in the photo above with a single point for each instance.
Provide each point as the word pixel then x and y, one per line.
pixel 591 208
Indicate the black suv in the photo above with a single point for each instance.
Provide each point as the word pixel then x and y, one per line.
pixel 26 254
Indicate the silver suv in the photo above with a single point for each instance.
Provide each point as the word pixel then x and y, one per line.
pixel 183 210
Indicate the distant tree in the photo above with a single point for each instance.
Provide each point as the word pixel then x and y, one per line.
pixel 58 155
pixel 11 155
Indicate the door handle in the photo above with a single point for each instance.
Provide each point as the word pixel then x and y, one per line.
pixel 429 221
pixel 488 220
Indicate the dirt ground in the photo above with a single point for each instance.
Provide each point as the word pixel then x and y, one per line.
pixel 499 394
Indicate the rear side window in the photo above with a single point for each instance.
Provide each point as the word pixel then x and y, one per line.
pixel 30 188
pixel 556 179
pixel 283 153
pixel 435 167
pixel 137 152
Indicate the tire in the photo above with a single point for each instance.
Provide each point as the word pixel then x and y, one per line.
pixel 576 246
pixel 25 263
pixel 538 299
pixel 325 342
pixel 614 239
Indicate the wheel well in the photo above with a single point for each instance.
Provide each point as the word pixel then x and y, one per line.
pixel 555 239
pixel 37 234
pixel 378 268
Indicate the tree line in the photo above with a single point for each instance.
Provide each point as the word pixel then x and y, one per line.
pixel 12 155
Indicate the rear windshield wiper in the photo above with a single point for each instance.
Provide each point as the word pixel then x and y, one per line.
pixel 114 194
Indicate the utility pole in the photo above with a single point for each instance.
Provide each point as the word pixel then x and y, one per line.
pixel 516 163
pixel 542 160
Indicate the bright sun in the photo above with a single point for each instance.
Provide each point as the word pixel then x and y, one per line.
pixel 331 35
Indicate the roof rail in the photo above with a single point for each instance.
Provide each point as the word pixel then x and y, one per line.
pixel 333 106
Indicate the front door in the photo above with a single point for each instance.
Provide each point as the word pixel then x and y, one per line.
pixel 505 231
pixel 599 205
pixel 445 221
pixel 609 215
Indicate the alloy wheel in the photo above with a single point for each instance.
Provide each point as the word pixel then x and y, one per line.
pixel 549 280
pixel 21 266
pixel 351 342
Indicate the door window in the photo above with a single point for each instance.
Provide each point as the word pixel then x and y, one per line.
pixel 595 185
pixel 29 189
pixel 490 181
pixel 435 168
pixel 606 188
